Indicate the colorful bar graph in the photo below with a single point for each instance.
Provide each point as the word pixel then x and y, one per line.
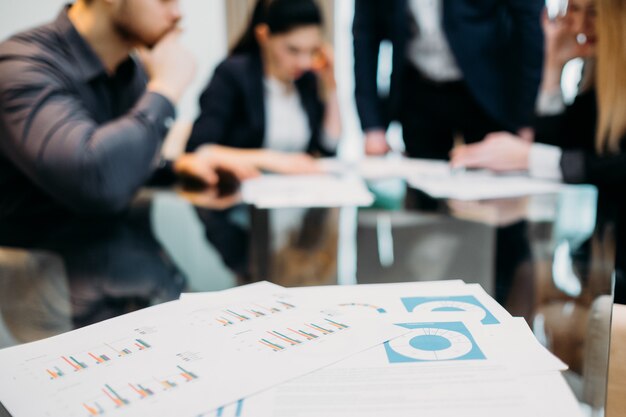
pixel 271 345
pixel 284 338
pixel 78 366
pixel 99 359
pixel 94 410
pixel 271 309
pixel 224 321
pixel 56 373
pixel 308 336
pixel 340 326
pixel 114 396
pixel 289 306
pixel 256 313
pixel 144 344
pixel 141 390
pixel 168 384
pixel 319 328
pixel 189 376
pixel 239 409
pixel 241 317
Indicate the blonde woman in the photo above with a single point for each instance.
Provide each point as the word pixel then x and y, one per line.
pixel 587 142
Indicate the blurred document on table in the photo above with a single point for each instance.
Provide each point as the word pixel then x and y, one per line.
pixel 277 191
pixel 481 185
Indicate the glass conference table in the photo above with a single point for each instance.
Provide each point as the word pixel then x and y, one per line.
pixel 546 258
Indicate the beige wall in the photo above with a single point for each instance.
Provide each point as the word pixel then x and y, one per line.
pixel 238 13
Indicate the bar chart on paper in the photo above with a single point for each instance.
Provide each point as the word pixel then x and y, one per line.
pixel 121 395
pixel 279 340
pixel 99 355
pixel 234 315
pixel 167 367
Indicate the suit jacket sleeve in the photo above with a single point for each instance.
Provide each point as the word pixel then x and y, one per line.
pixel 527 56
pixel 573 129
pixel 51 138
pixel 366 30
pixel 216 110
pixel 584 167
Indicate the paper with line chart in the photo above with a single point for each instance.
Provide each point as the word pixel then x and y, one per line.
pixel 181 358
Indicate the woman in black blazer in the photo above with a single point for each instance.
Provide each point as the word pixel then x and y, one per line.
pixel 281 49
pixel 586 142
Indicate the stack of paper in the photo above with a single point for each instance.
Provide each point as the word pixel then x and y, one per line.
pixel 463 354
pixel 275 191
pixel 429 349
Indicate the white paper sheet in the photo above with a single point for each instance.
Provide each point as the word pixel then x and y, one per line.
pixel 180 358
pixel 406 378
pixel 481 185
pixel 275 191
pixel 374 168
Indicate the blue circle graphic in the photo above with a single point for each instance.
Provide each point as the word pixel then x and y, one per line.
pixel 430 342
pixel 448 309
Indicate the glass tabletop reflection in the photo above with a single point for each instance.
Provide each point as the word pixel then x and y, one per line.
pixel 547 258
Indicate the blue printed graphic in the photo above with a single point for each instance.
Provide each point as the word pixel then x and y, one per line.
pixel 460 303
pixel 428 342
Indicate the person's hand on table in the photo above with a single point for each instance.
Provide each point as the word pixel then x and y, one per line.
pixel 288 163
pixel 205 164
pixel 498 152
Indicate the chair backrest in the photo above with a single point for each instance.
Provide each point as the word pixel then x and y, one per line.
pixel 34 296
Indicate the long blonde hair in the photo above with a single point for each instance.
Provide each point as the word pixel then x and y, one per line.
pixel 611 74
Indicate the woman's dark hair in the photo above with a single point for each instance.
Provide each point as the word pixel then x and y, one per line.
pixel 281 16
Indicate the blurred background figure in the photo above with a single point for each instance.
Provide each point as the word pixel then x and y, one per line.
pixel 582 142
pixel 272 102
pixel 83 118
pixel 461 69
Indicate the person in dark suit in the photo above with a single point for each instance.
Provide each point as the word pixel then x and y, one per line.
pixel 585 142
pixel 461 68
pixel 264 99
pixel 82 120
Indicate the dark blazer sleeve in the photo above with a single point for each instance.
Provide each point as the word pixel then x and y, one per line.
pixel 527 49
pixel 217 104
pixel 574 132
pixel 575 128
pixel 367 31
pixel 584 167
pixel 52 139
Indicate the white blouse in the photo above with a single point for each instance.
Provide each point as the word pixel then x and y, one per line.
pixel 286 123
